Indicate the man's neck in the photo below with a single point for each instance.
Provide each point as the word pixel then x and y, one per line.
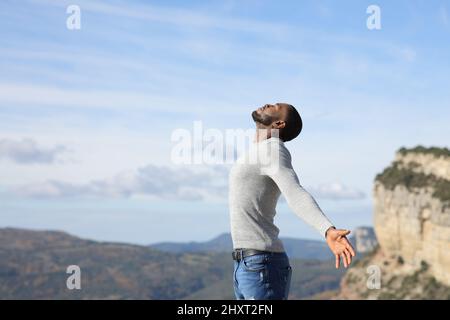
pixel 262 134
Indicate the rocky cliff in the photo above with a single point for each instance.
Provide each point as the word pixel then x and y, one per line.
pixel 364 240
pixel 412 225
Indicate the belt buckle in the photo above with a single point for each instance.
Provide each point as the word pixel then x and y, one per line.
pixel 237 255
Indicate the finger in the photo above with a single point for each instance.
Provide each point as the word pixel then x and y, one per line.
pixel 349 257
pixel 337 261
pixel 349 246
pixel 350 249
pixel 344 259
pixel 347 262
pixel 343 232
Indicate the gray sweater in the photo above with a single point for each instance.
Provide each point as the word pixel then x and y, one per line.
pixel 256 181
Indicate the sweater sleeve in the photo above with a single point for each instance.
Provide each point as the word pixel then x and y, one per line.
pixel 279 168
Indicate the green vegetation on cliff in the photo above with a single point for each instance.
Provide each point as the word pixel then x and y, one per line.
pixel 396 175
pixel 437 152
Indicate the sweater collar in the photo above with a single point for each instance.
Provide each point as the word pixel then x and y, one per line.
pixel 271 139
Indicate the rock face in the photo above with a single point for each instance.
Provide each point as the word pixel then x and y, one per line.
pixel 364 239
pixel 412 226
pixel 412 218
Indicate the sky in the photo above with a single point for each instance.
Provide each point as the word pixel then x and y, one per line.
pixel 88 115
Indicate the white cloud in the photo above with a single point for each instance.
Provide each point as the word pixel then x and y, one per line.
pixel 443 15
pixel 407 54
pixel 38 95
pixel 337 191
pixel 175 16
pixel 27 151
pixel 165 182
pixel 171 183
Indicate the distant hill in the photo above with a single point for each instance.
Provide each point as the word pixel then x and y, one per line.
pixel 221 243
pixel 33 266
pixel 295 248
pixel 363 238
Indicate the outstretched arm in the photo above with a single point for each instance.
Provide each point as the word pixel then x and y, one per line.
pixel 279 169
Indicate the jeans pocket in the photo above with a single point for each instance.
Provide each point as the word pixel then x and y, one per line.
pixel 286 276
pixel 255 263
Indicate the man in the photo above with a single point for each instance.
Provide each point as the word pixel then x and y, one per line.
pixel 261 266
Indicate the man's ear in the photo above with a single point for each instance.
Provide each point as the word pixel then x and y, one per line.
pixel 280 124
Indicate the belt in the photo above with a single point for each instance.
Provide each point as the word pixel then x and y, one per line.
pixel 239 254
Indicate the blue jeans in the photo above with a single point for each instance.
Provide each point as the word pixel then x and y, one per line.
pixel 265 276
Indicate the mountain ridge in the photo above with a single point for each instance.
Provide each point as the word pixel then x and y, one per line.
pixel 33 265
pixel 363 239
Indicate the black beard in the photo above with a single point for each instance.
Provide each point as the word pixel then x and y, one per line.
pixel 262 119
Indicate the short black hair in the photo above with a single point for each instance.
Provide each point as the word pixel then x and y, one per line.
pixel 294 125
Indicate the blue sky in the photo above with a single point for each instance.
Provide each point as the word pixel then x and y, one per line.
pixel 86 116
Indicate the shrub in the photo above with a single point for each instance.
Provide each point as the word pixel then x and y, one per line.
pixel 394 175
pixel 438 152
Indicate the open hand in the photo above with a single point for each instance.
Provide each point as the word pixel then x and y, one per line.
pixel 340 246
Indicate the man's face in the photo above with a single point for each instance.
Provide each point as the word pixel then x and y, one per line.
pixel 269 113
